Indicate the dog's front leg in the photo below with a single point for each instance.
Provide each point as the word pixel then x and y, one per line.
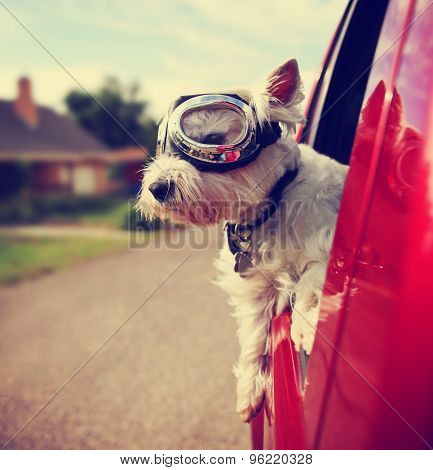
pixel 250 370
pixel 305 314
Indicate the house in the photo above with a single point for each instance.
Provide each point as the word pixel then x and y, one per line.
pixel 63 157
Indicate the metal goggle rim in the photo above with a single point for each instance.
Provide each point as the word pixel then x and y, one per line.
pixel 202 151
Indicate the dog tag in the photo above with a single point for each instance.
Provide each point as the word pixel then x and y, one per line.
pixel 244 232
pixel 242 263
pixel 244 245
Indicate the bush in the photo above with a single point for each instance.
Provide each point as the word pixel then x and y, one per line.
pixel 53 205
pixel 32 209
pixel 90 210
pixel 14 211
pixel 134 221
pixel 14 176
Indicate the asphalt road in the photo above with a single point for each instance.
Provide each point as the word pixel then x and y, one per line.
pixel 161 381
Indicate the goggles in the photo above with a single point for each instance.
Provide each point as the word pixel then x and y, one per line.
pixel 236 140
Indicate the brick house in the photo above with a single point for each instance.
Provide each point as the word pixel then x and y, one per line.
pixel 62 156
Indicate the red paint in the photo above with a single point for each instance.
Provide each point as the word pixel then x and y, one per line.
pixel 371 371
pixel 288 421
pixel 256 428
pixel 281 418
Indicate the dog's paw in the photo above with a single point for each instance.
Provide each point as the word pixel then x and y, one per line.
pixel 303 330
pixel 251 392
pixel 251 411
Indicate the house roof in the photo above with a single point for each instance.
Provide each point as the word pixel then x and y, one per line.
pixel 130 154
pixel 54 133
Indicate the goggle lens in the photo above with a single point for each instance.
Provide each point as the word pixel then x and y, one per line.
pixel 214 125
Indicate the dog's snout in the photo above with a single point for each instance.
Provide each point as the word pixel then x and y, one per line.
pixel 162 190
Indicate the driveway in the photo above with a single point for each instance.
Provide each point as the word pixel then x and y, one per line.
pixel 161 381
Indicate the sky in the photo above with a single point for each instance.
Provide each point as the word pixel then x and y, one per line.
pixel 168 47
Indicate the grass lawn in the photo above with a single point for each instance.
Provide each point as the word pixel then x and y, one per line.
pixel 25 257
pixel 114 216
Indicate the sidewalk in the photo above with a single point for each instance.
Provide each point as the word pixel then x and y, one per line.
pixel 62 231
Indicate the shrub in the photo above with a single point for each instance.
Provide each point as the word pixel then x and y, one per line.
pixel 14 176
pixel 32 209
pixel 134 221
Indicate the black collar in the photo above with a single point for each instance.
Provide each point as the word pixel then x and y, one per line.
pixel 239 235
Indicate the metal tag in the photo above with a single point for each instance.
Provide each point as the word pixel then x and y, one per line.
pixel 243 262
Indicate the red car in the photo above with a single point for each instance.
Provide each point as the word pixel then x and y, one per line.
pixel 369 381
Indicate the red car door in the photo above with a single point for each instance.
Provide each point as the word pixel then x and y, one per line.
pixel 370 376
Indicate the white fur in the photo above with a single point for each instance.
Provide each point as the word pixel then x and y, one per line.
pixel 282 271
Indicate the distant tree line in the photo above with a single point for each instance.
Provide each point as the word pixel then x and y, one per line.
pixel 117 116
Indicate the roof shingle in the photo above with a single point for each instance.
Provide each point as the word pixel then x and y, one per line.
pixel 54 133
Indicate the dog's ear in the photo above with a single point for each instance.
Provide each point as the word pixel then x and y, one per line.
pixel 284 83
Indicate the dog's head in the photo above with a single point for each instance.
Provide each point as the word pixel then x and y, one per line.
pixel 173 187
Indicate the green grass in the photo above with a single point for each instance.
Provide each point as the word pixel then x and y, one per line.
pixel 113 217
pixel 25 257
pixel 110 217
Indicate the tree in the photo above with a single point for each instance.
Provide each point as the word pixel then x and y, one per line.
pixel 114 115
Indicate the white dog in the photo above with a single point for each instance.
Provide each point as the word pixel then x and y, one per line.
pixel 282 206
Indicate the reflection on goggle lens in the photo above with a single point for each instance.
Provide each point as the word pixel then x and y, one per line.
pixel 214 125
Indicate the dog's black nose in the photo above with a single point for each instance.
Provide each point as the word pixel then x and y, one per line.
pixel 162 190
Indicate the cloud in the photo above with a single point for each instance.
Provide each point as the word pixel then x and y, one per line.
pixel 169 47
pixel 273 20
pixel 50 83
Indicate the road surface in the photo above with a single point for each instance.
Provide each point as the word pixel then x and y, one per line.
pixel 161 381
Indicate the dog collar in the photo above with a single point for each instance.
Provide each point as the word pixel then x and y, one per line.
pixel 239 236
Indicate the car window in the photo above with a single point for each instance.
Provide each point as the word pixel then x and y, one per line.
pixel 364 297
pixel 332 120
